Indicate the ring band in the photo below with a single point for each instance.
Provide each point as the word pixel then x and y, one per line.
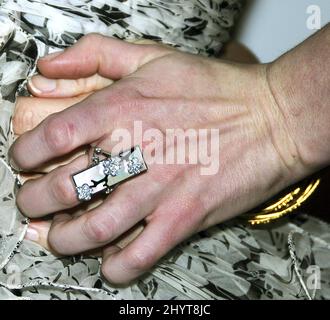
pixel 104 175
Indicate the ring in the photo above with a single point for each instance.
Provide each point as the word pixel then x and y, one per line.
pixel 106 174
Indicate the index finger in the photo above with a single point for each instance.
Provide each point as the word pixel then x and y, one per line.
pixel 60 133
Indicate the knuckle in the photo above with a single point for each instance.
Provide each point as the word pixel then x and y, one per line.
pixel 115 277
pixel 58 134
pixel 112 275
pixel 107 226
pixel 93 40
pixel 62 190
pixel 92 37
pixel 99 230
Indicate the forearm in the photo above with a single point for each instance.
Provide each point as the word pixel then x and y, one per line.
pixel 300 82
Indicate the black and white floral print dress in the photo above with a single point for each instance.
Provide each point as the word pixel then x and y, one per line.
pixel 229 261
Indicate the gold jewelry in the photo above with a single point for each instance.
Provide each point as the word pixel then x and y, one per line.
pixel 285 205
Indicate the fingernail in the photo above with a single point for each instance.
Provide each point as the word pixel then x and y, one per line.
pixel 51 56
pixel 42 84
pixel 32 234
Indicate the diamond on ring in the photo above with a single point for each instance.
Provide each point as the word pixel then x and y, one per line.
pixel 111 166
pixel 84 192
pixel 134 165
pixel 104 175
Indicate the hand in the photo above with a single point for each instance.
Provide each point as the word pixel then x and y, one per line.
pixel 164 89
pixel 31 111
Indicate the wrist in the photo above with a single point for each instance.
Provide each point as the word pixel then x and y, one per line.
pixel 299 83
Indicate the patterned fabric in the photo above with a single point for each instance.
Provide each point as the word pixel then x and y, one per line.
pixel 199 26
pixel 229 261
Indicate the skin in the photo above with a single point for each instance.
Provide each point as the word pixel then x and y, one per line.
pixel 261 111
pixel 30 111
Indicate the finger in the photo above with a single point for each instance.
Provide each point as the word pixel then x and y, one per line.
pixel 38 232
pixel 29 112
pixel 52 192
pixel 23 177
pixel 166 229
pixel 41 86
pixel 122 241
pixel 94 53
pixel 62 133
pixel 119 213
pixel 61 161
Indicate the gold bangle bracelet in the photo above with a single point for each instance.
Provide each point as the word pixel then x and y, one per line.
pixel 285 205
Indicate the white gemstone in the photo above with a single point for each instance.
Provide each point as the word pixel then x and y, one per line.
pixel 84 192
pixel 111 166
pixel 134 165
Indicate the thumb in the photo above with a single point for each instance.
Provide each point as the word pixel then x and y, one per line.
pixel 94 53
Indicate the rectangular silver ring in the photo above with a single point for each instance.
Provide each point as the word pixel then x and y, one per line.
pixel 108 173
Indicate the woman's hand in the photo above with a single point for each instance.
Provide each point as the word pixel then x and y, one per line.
pixel 164 89
pixel 49 98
